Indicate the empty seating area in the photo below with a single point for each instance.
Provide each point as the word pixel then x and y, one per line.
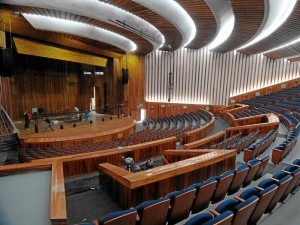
pixel 281 150
pixel 178 205
pixel 259 147
pixel 288 120
pixel 250 205
pixel 155 129
pixel 241 144
pixel 6 126
pixel 227 142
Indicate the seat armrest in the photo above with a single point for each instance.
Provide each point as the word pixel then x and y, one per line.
pixel 259 188
pixel 239 199
pixel 214 212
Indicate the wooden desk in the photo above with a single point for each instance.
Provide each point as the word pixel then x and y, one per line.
pixel 131 189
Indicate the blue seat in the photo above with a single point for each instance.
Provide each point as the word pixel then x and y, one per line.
pixel 238 179
pixel 282 185
pixel 207 219
pixel 241 210
pixel 181 204
pixel 253 168
pixel 203 195
pixel 153 212
pixel 224 182
pixel 127 217
pixel 265 196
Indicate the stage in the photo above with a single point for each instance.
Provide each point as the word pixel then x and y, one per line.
pixel 103 128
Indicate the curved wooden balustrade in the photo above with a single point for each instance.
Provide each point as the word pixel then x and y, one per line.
pixel 206 142
pixel 268 122
pixel 228 113
pixel 80 135
pixel 130 189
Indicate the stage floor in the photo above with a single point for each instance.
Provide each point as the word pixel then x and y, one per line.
pixel 97 128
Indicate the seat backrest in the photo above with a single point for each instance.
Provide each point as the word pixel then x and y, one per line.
pixel 224 182
pixel 282 185
pixel 181 204
pixel 199 219
pixel 292 184
pixel 223 219
pixel 253 168
pixel 127 217
pixel 244 210
pixel 153 212
pixel 238 179
pixel 204 195
pixel 265 197
pixel 262 166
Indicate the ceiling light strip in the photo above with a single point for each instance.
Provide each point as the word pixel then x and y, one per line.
pixel 80 29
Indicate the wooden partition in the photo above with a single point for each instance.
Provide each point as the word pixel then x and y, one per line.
pixel 130 189
pixel 125 127
pixel 228 114
pixel 263 118
pixel 206 142
pixel 227 108
pixel 272 123
pixel 201 132
pixel 88 162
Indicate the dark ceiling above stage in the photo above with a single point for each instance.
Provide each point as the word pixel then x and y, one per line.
pixel 251 18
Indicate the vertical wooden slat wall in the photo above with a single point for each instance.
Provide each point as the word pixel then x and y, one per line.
pixel 209 78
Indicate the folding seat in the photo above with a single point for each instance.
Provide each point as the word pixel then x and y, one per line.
pixel 264 162
pixel 281 174
pixel 265 196
pixel 282 185
pixel 153 212
pixel 241 210
pixel 253 168
pixel 127 217
pixel 208 219
pixel 296 162
pixel 204 194
pixel 224 182
pixel 238 179
pixel 180 204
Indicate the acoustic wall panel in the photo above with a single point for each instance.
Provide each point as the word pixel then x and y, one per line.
pixel 204 77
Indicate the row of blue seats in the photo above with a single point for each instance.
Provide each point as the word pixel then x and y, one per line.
pixel 288 120
pixel 259 147
pixel 178 205
pixel 251 204
pixel 241 144
pixel 226 142
pixel 281 150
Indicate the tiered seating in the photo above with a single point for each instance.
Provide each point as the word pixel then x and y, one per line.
pixel 244 142
pixel 6 126
pixel 154 129
pixel 227 142
pixel 280 151
pixel 252 203
pixel 178 205
pixel 288 120
pixel 259 147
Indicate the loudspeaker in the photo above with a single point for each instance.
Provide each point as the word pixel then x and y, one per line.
pixel 124 76
pixel 6 65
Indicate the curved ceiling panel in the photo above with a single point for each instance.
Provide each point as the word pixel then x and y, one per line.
pixel 223 13
pixel 80 29
pixel 276 13
pixel 248 19
pixel 284 53
pixel 173 12
pixel 99 11
pixel 204 20
pixel 283 35
pixel 170 32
